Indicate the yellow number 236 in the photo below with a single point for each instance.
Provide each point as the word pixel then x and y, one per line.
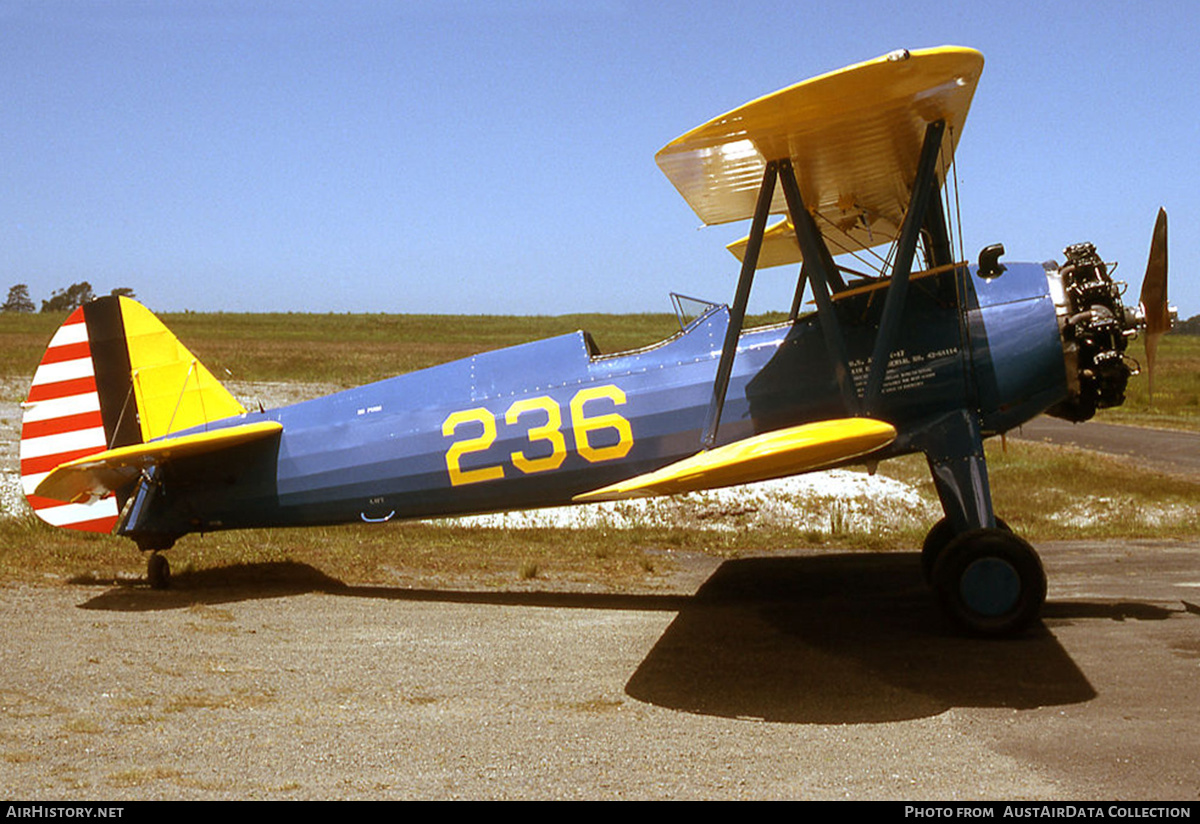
pixel 543 415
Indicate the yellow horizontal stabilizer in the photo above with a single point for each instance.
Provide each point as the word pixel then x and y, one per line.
pixel 775 454
pixel 853 136
pixel 104 472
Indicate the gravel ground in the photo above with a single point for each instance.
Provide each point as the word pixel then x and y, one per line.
pixel 322 696
pixel 805 676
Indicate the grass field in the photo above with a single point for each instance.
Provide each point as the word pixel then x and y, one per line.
pixel 1042 491
pixel 1176 402
pixel 345 349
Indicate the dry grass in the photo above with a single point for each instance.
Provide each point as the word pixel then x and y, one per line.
pixel 140 777
pixel 205 700
pixel 1048 492
pixel 596 706
pixel 83 725
pixel 1176 403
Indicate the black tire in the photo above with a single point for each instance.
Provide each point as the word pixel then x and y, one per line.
pixel 936 541
pixel 990 582
pixel 158 571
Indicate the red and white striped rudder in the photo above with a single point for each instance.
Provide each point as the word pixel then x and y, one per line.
pixel 62 422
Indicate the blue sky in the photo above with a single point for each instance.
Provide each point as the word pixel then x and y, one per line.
pixel 498 157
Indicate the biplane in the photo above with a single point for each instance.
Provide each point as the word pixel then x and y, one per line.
pixel 126 432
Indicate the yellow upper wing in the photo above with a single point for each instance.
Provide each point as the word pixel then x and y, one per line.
pixel 853 136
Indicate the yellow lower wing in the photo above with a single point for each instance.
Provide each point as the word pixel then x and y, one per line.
pixel 107 471
pixel 771 455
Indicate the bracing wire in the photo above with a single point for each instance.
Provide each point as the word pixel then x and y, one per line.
pixel 962 250
pixel 880 262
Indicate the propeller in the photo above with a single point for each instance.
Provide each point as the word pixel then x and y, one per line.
pixel 1155 311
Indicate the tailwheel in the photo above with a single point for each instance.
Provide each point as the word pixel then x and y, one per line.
pixel 936 541
pixel 158 571
pixel 990 582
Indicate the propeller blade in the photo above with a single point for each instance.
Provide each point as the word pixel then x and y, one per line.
pixel 1154 285
pixel 1155 309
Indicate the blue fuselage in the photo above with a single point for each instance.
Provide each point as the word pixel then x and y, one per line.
pixel 536 424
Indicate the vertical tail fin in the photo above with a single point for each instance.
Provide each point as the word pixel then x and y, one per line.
pixel 112 376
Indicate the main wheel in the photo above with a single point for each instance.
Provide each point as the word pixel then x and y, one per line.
pixel 936 541
pixel 990 582
pixel 158 571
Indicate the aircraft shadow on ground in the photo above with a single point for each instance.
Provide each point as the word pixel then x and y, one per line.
pixel 253 582
pixel 846 638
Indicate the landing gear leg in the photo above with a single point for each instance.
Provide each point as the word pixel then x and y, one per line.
pixel 987 580
pixel 158 571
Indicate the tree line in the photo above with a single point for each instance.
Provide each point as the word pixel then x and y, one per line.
pixel 61 300
pixel 77 294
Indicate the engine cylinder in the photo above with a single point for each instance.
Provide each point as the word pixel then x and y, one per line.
pixel 1095 328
